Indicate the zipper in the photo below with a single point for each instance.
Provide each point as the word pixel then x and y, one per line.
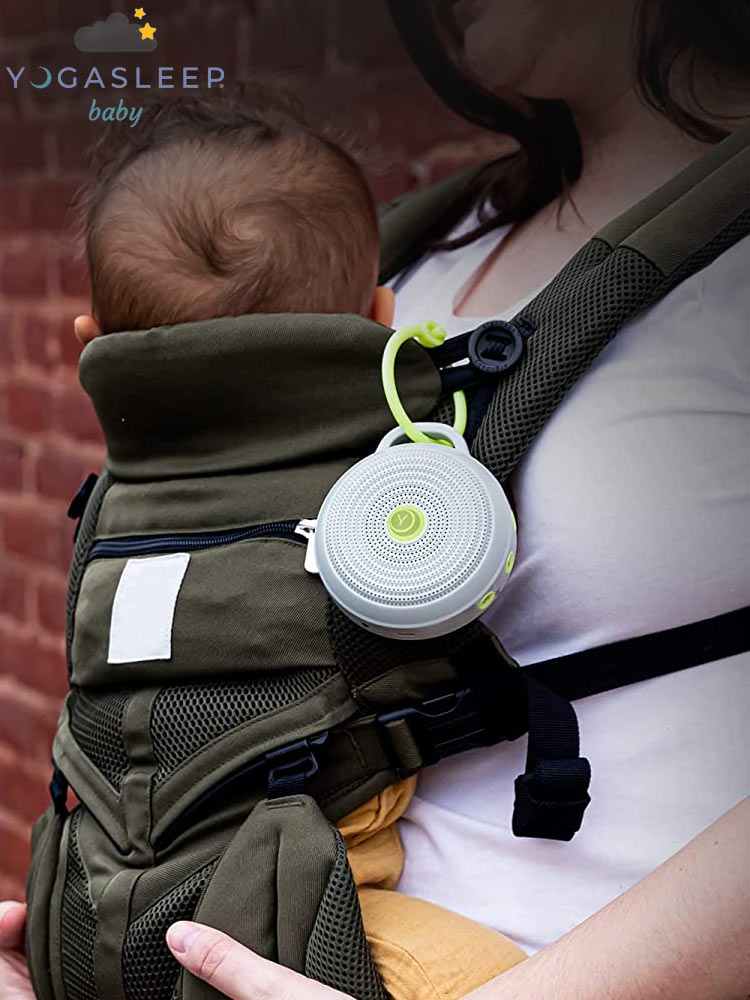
pixel 143 545
pixel 307 530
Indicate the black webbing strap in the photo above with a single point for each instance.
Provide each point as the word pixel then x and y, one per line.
pixel 644 657
pixel 553 792
pixel 501 703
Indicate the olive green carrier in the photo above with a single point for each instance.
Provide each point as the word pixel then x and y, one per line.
pixel 208 780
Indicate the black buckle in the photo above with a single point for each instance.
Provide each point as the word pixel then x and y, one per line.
pixel 440 727
pixel 79 502
pixel 497 346
pixel 291 767
pixel 58 789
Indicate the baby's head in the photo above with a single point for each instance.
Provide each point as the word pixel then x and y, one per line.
pixel 226 204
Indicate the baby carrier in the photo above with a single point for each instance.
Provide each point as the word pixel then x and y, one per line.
pixel 211 756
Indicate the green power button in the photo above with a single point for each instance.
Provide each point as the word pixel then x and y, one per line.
pixel 406 524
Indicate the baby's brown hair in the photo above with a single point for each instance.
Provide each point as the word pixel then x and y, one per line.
pixel 226 203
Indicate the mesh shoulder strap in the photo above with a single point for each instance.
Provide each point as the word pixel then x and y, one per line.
pixel 627 267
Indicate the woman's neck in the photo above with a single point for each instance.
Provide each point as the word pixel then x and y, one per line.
pixel 628 151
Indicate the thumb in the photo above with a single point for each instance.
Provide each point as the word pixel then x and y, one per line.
pixel 12 923
pixel 236 971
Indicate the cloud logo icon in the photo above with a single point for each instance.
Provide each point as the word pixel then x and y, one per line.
pixel 116 34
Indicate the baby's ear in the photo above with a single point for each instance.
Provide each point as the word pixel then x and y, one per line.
pixel 86 329
pixel 383 306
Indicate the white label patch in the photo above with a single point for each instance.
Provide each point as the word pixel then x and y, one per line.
pixel 143 609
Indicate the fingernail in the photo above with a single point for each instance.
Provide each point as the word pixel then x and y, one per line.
pixel 6 907
pixel 181 936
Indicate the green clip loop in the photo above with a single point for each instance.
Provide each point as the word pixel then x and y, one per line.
pixel 428 335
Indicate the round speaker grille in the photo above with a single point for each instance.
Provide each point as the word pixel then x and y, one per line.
pixel 448 518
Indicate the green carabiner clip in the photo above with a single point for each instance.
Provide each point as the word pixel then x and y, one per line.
pixel 429 335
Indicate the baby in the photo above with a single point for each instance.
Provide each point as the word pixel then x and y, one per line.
pixel 233 204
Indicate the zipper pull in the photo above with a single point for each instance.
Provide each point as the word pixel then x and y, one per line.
pixel 307 530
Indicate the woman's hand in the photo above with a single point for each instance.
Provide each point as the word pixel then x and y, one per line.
pixel 237 972
pixel 680 934
pixel 14 974
pixel 208 954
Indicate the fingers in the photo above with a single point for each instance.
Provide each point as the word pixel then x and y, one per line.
pixel 12 924
pixel 237 972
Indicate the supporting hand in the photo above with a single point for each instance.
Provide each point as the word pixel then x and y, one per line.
pixel 237 972
pixel 14 974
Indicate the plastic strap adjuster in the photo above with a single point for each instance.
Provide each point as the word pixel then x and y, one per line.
pixel 291 767
pixel 58 789
pixel 552 798
pixel 78 504
pixel 439 727
pixel 497 346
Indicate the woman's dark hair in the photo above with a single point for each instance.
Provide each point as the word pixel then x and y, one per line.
pixel 549 158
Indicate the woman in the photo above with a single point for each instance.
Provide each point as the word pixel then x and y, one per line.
pixel 633 503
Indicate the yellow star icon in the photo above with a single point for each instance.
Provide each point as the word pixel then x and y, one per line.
pixel 147 32
pixel 139 13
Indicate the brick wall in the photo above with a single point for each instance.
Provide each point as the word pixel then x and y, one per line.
pixel 344 53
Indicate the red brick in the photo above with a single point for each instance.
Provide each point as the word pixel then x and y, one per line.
pixel 208 41
pixel 50 600
pixel 59 473
pixel 24 273
pixel 32 533
pixel 27 719
pixel 9 352
pixel 51 203
pixel 23 18
pixel 15 845
pixel 22 148
pixel 75 13
pixel 47 341
pixel 240 6
pixel 337 100
pixel 13 592
pixel 35 662
pixel 75 415
pixel 70 346
pixel 28 405
pixel 368 41
pixel 25 785
pixel 15 205
pixel 11 465
pixel 11 888
pixel 74 276
pixel 412 118
pixel 287 35
pixel 72 140
pixel 41 342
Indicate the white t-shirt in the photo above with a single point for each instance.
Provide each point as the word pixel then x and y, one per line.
pixel 634 516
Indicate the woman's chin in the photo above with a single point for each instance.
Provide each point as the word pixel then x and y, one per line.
pixel 499 66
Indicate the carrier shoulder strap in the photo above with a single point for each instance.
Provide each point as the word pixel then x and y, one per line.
pixel 631 264
pixel 644 657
